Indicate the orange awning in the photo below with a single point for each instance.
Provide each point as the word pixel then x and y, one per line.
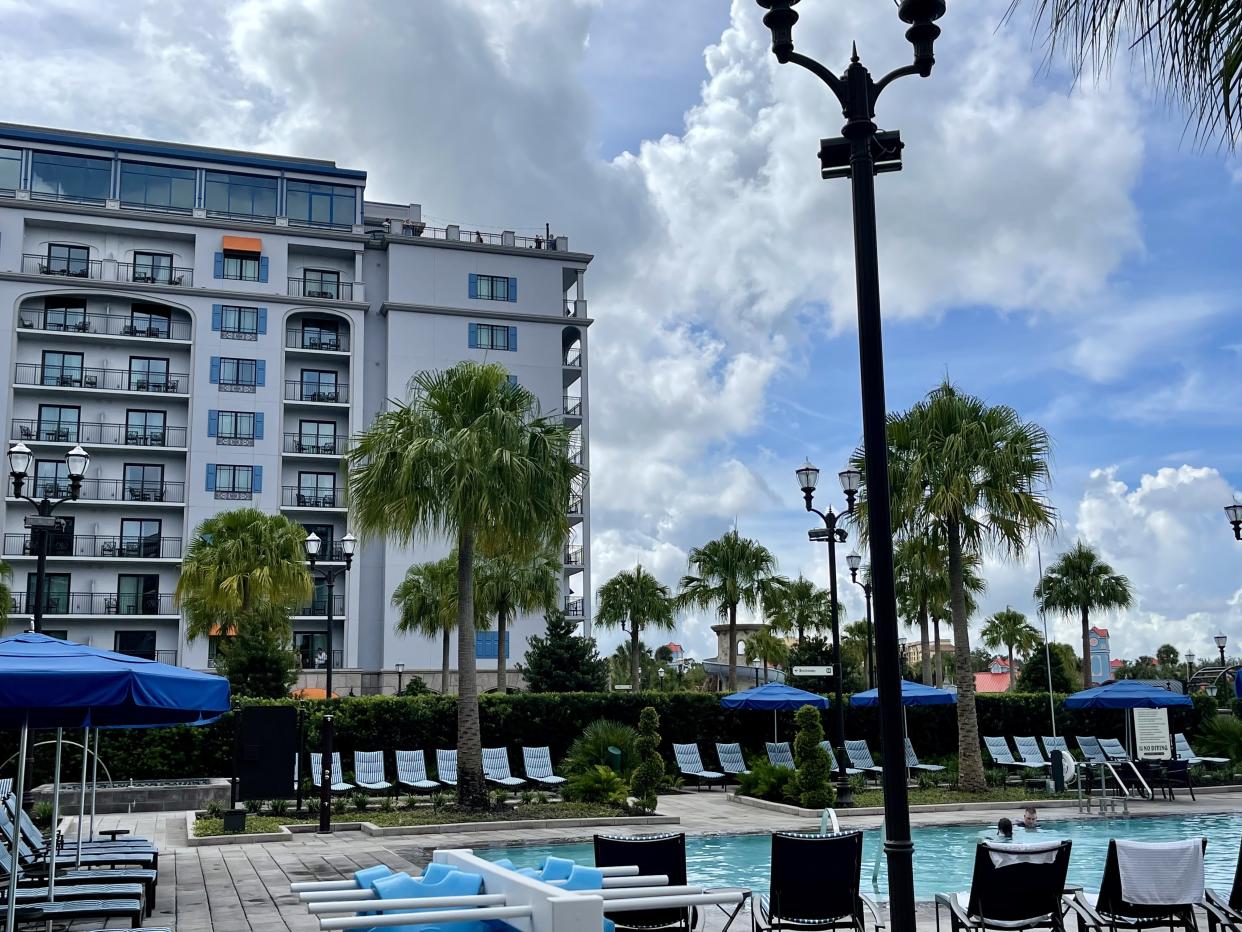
pixel 311 692
pixel 219 631
pixel 243 244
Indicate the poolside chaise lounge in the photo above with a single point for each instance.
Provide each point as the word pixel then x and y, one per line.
pixel 369 771
pixel 1226 911
pixel 1068 762
pixel 860 758
pixel 39 843
pixel 833 764
pixel 412 771
pixel 537 762
pixel 912 761
pixel 446 766
pixel 1091 750
pixel 731 760
pixel 780 754
pixel 34 890
pixel 6 786
pixel 1183 751
pixel 1013 887
pixel 1170 903
pixel 998 750
pixel 816 884
pixel 33 848
pixel 496 768
pixel 338 781
pixel 691 765
pixel 1030 754
pixel 651 854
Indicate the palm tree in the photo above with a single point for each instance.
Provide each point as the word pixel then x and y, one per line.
pixel 729 571
pixel 923 591
pixel 1010 629
pixel 468 457
pixel 977 474
pixel 243 567
pixel 427 602
pixel 1194 48
pixel 507 583
pixel 765 646
pixel 623 659
pixel 632 601
pixel 796 605
pixel 1078 582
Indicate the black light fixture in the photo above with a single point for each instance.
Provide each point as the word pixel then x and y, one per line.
pixel 400 669
pixel 1221 641
pixel 1234 514
pixel 854 561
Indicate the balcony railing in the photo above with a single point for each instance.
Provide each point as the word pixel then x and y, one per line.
pixel 294 497
pixel 315 391
pixel 112 490
pixel 32 373
pixel 97 545
pixel 573 556
pixel 309 288
pixel 97 432
pixel 297 338
pixel 162 656
pixel 575 455
pixel 70 268
pixel 327 446
pixel 309 660
pixel 575 505
pixel 318 608
pixel 98 603
pixel 112 325
pixel 573 406
pixel 176 276
pixel 573 359
pixel 479 237
pixel 573 608
pixel 331 552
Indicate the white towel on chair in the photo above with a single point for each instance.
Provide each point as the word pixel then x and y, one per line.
pixel 1164 873
pixel 1004 854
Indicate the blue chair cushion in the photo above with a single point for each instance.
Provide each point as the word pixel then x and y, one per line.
pixel 585 878
pixel 555 868
pixel 364 877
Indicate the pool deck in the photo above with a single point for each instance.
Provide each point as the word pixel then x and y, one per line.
pixel 245 887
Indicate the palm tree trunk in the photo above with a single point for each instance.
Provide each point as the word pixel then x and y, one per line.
pixel 732 648
pixel 635 676
pixel 765 669
pixel 1010 667
pixel 939 658
pixel 502 674
pixel 927 660
pixel 471 789
pixel 444 660
pixel 969 757
pixel 1086 648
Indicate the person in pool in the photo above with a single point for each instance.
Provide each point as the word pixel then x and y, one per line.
pixel 1030 820
pixel 1004 830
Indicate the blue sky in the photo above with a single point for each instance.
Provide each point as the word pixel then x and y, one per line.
pixel 1053 245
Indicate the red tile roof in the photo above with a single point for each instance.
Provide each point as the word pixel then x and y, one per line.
pixel 675 648
pixel 1100 632
pixel 1114 664
pixel 1003 661
pixel 991 682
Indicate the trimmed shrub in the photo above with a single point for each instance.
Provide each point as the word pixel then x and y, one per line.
pixel 591 748
pixel 767 782
pixel 645 784
pixel 813 776
pixel 598 784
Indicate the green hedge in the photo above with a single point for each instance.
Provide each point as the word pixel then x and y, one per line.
pixel 556 719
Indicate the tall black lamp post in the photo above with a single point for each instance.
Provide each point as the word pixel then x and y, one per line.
pixel 400 669
pixel 1190 666
pixel 854 561
pixel 328 577
pixel 862 152
pixel 851 479
pixel 1221 641
pixel 1234 514
pixel 42 524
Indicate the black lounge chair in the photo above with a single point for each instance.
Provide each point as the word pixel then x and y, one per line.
pixel 815 884
pixel 1226 913
pixel 74 910
pixel 1013 887
pixel 663 854
pixel 1109 911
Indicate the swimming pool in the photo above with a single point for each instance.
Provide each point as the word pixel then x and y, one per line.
pixel 944 855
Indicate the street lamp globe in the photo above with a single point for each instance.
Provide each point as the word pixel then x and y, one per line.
pixel 851 481
pixel 312 544
pixel 19 459
pixel 854 561
pixel 1190 658
pixel 349 545
pixel 660 673
pixel 808 477
pixel 1221 640
pixel 76 460
pixel 1234 514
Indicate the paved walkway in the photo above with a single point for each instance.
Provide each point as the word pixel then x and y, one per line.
pixel 245 888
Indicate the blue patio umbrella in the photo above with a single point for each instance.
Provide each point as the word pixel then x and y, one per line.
pixel 1126 694
pixel 49 683
pixel 774 696
pixel 911 694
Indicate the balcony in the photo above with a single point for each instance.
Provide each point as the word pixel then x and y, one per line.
pixel 89 546
pixel 98 603
pixel 572 359
pixel 113 490
pixel 575 505
pixel 310 288
pixel 575 455
pixel 112 325
pixel 331 552
pixel 316 392
pixel 298 338
pixel 573 556
pixel 573 608
pixel 97 433
pixel 311 445
pixel 162 656
pixel 108 380
pixel 309 661
pixel 573 406
pixel 66 267
pixel 318 608
pixel 293 496
pixel 174 276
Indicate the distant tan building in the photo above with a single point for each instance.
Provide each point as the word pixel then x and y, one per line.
pixel 914 650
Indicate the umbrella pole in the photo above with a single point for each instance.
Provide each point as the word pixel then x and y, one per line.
pixel 94 781
pixel 86 747
pixel 19 788
pixel 54 835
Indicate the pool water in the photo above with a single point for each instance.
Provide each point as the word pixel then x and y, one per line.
pixel 944 855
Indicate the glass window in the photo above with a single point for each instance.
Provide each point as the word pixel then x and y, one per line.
pixel 317 437
pixel 239 320
pixel 320 334
pixel 493 337
pixel 144 427
pixel 320 204
pixel 153 267
pixel 64 314
pixel 147 374
pixel 140 537
pixel 240 195
pixel 159 186
pixel 134 643
pixel 62 368
pixel 241 266
pixel 149 320
pixel 63 259
pixel 493 287
pixel 237 425
pixel 59 423
pixel 70 177
pixel 320 283
pixel 317 489
pixel 234 479
pixel 238 372
pixel 318 385
pixel 55 593
pixel 10 169
pixel 51 478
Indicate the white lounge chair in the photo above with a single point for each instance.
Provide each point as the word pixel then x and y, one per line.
pixel 496 768
pixel 912 761
pixel 998 750
pixel 834 764
pixel 369 771
pixel 691 765
pixel 446 766
pixel 338 781
pixel 780 754
pixel 1182 748
pixel 731 760
pixel 537 762
pixel 860 757
pixel 412 771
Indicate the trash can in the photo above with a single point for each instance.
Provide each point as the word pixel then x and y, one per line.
pixel 614 758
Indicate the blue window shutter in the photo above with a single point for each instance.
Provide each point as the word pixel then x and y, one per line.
pixel 260 372
pixel 213 419
pixel 211 477
pixel 215 369
pixel 262 268
pixel 474 336
pixel 258 425
pixel 513 289
pixel 513 339
pixel 474 285
pixel 219 265
pixel 262 320
pixel 217 316
pixel 256 479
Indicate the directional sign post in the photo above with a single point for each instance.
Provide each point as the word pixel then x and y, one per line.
pixel 824 670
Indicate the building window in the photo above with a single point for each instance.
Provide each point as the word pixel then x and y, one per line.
pixel 138 594
pixel 62 368
pixel 51 479
pixel 55 593
pixel 236 195
pixel 135 643
pixel 319 385
pixel 144 482
pixel 160 187
pixel 70 177
pixel 321 334
pixel 491 287
pixel 64 259
pixel 64 314
pixel 10 169
pixel 233 482
pixel 491 336
pixel 150 320
pixel 241 266
pixel 153 267
pixel 316 490
pixel 233 428
pixel 145 428
pixel 149 374
pixel 59 423
pixel 239 323
pixel 316 437
pixel 320 204
pixel 140 537
pixel 238 375
pixel 320 283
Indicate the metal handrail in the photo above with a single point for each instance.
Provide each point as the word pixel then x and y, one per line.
pixel 113 490
pixel 574 608
pixel 298 338
pixel 62 376
pixel 98 545
pixel 296 390
pixel 97 432
pixel 69 268
pixel 308 288
pixel 301 443
pixel 297 497
pixel 98 603
pixel 573 406
pixel 113 325
pixel 174 276
pixel 319 606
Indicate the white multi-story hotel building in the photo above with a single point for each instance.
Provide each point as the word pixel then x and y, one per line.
pixel 212 326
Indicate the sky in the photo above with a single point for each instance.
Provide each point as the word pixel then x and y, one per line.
pixel 1056 245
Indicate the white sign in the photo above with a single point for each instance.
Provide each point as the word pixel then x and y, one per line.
pixel 1151 734
pixel 813 671
pixel 621 685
